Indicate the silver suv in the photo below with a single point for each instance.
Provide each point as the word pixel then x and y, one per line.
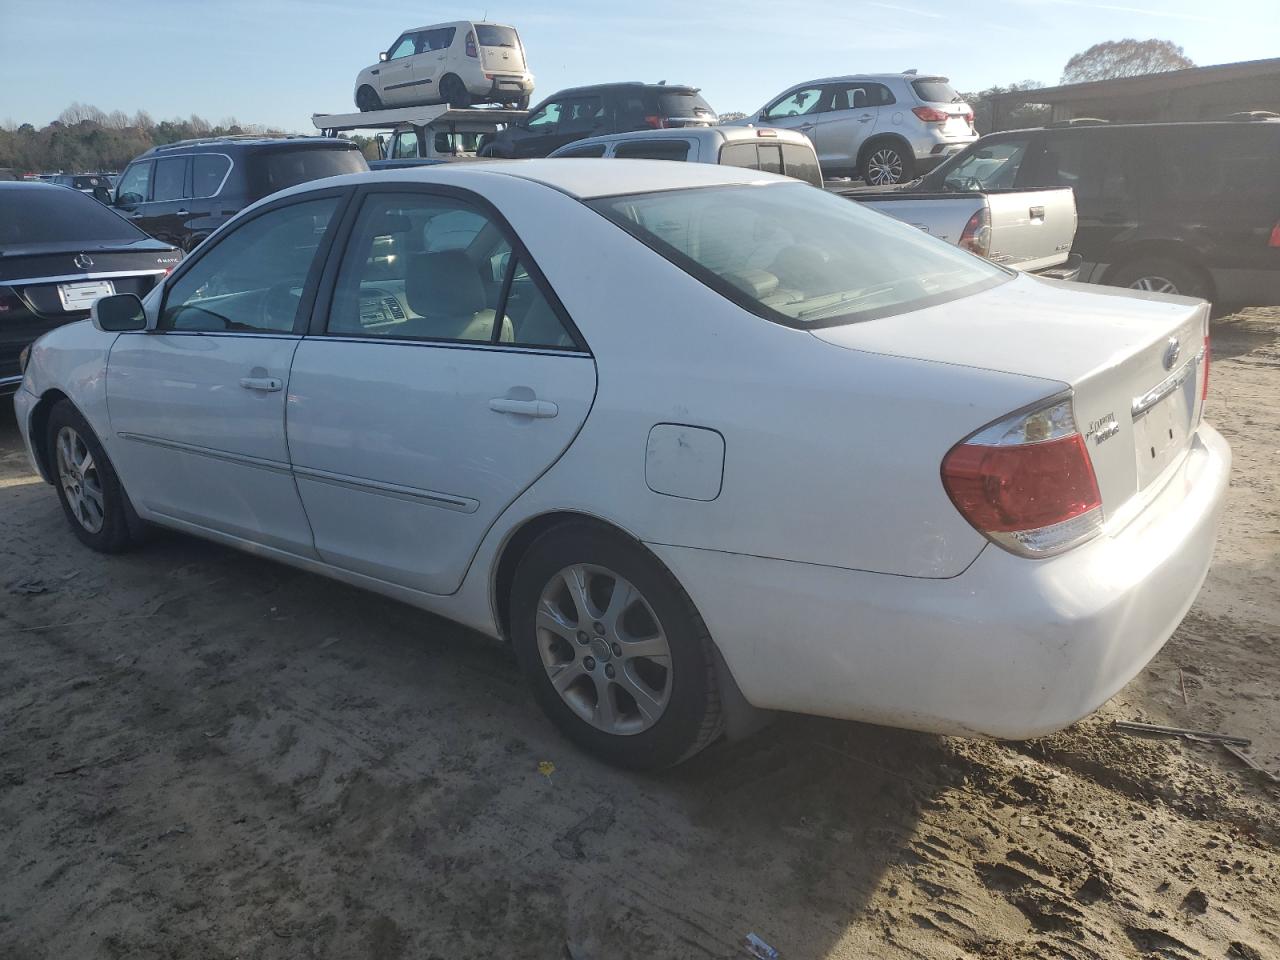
pixel 883 127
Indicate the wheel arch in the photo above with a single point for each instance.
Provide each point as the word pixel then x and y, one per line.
pixel 1177 250
pixel 878 138
pixel 38 430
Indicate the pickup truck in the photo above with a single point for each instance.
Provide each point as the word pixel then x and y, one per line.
pixel 1029 230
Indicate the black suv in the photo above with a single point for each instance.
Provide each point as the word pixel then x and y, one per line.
pixel 181 192
pixel 604 108
pixel 1188 208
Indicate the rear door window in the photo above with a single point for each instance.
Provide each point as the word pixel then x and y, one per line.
pixel 859 96
pixel 441 39
pixel 1237 163
pixel 208 171
pixel 589 151
pixel 653 150
pixel 171 179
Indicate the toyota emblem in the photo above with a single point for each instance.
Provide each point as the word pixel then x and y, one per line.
pixel 1171 352
pixel 83 261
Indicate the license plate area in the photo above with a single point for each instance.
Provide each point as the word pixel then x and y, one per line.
pixel 80 296
pixel 1161 430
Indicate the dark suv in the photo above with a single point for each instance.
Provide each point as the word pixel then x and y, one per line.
pixel 1188 208
pixel 181 192
pixel 604 108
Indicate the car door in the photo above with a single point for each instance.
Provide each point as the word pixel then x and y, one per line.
pixel 199 401
pixel 797 109
pixel 416 416
pixel 580 117
pixel 537 136
pixel 167 211
pixel 429 63
pixel 396 75
pixel 852 115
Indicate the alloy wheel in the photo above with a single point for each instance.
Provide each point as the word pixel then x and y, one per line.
pixel 1154 285
pixel 603 648
pixel 884 167
pixel 78 476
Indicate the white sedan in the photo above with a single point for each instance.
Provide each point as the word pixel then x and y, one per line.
pixel 694 439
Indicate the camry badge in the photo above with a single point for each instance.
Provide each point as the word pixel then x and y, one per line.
pixel 83 261
pixel 1171 352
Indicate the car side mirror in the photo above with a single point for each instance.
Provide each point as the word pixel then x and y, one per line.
pixel 382 57
pixel 118 313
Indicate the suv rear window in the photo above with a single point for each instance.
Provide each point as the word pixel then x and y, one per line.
pixel 53 216
pixel 275 169
pixel 799 256
pixel 491 35
pixel 684 103
pixel 936 90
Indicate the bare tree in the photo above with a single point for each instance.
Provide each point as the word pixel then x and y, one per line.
pixel 1125 58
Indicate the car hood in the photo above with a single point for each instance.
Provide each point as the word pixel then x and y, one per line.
pixel 1029 326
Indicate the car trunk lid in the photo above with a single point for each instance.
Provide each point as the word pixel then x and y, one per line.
pixel 1136 396
pixel 500 48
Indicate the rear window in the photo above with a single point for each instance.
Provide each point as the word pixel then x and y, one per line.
pixel 653 150
pixel 797 256
pixel 491 35
pixel 792 159
pixel 936 90
pixel 53 216
pixel 88 183
pixel 684 103
pixel 277 169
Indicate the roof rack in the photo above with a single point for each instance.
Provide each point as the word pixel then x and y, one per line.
pixel 195 141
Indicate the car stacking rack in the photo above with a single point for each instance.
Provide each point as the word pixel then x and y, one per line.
pixel 439 117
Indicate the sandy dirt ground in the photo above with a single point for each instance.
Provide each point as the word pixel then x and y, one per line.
pixel 204 755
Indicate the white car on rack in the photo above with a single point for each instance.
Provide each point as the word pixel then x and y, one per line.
pixel 459 63
pixel 691 437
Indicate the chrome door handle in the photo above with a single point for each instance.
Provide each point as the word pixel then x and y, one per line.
pixel 864 118
pixel 265 384
pixel 537 409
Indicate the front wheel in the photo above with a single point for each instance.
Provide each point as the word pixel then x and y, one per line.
pixel 367 99
pixel 92 498
pixel 615 652
pixel 887 163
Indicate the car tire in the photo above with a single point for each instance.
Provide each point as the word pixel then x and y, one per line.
pixel 1161 275
pixel 454 92
pixel 367 99
pixel 886 162
pixel 634 672
pixel 92 498
pixel 523 103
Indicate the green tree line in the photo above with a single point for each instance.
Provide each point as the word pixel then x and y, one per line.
pixel 85 139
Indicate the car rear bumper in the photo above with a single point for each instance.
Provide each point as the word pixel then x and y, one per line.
pixel 1011 648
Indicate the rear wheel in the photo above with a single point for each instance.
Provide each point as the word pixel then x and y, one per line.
pixel 523 103
pixel 885 163
pixel 91 495
pixel 615 652
pixel 1161 275
pixel 454 91
pixel 367 99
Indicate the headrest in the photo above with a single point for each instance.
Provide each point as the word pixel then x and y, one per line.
pixel 859 98
pixel 444 283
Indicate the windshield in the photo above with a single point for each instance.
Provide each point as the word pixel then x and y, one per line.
pixel 991 166
pixel 492 35
pixel 936 90
pixel 59 215
pixel 800 256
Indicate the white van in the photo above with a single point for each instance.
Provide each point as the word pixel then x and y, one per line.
pixel 457 63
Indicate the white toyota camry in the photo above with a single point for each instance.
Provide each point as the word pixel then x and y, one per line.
pixel 694 439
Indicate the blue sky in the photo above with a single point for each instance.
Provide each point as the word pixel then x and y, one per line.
pixel 277 61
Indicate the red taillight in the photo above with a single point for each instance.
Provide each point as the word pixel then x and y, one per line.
pixel 1275 236
pixel 931 114
pixel 655 121
pixel 968 118
pixel 471 45
pixel 976 235
pixel 1026 482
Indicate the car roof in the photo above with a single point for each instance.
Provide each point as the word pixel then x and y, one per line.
pixel 250 141
pixel 872 76
pixel 584 179
pixel 454 23
pixel 670 87
pixel 719 134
